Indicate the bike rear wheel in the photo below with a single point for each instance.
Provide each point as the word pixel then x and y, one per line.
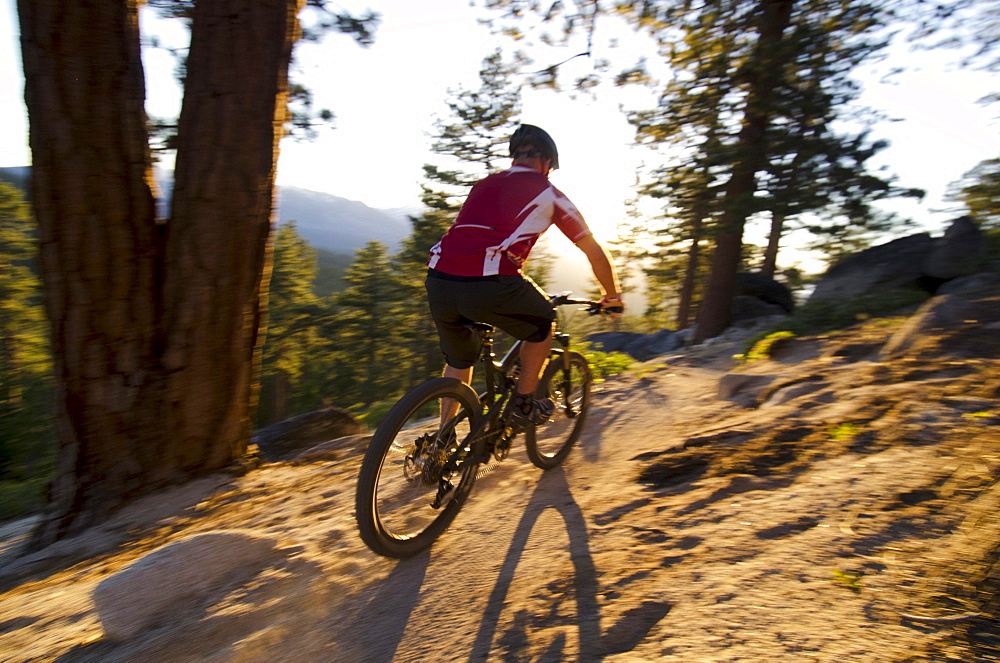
pixel 568 386
pixel 415 476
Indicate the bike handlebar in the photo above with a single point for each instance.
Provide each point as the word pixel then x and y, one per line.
pixel 592 307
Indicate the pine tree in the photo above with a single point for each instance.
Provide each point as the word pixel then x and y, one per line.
pixel 370 324
pixel 291 342
pixel 26 435
pixel 474 136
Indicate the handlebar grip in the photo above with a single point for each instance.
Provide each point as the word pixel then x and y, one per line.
pixel 617 310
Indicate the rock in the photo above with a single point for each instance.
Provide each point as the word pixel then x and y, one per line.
pixel 745 308
pixel 896 264
pixel 944 312
pixel 853 352
pixel 793 390
pixel 765 289
pixel 791 349
pixel 758 296
pixel 287 438
pixel 662 342
pixel 642 347
pixel 135 598
pixel 741 332
pixel 612 341
pixel 983 283
pixel 959 252
pixel 743 389
pixel 109 535
pixel 917 262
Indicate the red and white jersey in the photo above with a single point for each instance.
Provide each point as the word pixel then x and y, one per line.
pixel 501 220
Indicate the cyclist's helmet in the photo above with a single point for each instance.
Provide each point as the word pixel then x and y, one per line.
pixel 529 134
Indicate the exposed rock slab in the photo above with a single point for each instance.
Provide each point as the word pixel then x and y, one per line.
pixel 135 598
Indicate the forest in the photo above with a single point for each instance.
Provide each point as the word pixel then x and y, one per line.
pixel 137 352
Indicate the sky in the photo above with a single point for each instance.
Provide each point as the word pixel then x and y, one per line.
pixel 387 97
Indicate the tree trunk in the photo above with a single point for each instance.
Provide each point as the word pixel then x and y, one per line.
pixel 93 201
pixel 690 274
pixel 231 122
pixel 154 327
pixel 713 315
pixel 700 212
pixel 770 265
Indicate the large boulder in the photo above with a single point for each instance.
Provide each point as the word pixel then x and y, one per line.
pixel 895 265
pixel 744 309
pixel 917 262
pixel 765 289
pixel 959 252
pixel 286 439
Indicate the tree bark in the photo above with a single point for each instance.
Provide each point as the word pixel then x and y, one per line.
pixel 154 327
pixel 231 122
pixel 764 75
pixel 93 201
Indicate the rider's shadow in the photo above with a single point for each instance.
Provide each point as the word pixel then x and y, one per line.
pixel 390 607
pixel 552 491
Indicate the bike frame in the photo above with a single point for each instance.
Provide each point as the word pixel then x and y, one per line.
pixel 500 383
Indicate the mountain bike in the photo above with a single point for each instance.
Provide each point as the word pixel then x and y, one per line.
pixel 418 471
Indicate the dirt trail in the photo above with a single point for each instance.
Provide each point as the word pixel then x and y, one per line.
pixel 820 525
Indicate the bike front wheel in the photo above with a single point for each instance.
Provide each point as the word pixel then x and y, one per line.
pixel 416 474
pixel 567 383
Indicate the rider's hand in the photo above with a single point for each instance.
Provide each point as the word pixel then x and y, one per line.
pixel 613 306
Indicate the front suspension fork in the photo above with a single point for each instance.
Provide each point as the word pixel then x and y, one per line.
pixel 562 349
pixel 562 355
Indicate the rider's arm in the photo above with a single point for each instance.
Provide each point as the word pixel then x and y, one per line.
pixel 600 263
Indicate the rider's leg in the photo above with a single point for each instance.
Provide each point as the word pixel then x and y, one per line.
pixel 533 357
pixel 449 406
pixel 525 408
pixel 463 374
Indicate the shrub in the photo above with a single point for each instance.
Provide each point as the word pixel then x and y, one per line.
pixel 605 364
pixel 843 432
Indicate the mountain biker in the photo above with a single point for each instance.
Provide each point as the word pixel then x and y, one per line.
pixel 475 270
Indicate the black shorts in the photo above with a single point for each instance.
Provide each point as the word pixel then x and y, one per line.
pixel 512 303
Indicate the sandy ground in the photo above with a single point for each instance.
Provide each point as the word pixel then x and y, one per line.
pixel 835 508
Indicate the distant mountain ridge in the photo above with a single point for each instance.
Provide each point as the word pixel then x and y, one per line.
pixel 326 221
pixel 343 226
